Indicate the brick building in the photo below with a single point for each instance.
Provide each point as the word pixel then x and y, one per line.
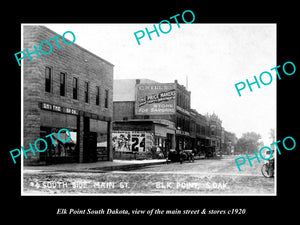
pixel 182 117
pixel 199 132
pixel 69 88
pixel 163 120
pixel 215 125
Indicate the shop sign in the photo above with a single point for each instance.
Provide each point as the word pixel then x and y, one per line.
pixel 131 141
pixel 182 110
pixel 71 111
pixel 155 99
pixel 58 108
pixel 182 132
pixel 46 106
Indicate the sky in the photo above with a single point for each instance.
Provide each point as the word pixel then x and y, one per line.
pixel 209 58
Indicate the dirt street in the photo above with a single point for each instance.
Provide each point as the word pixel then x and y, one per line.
pixel 202 177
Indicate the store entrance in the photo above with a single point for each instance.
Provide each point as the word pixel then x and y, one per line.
pixel 90 147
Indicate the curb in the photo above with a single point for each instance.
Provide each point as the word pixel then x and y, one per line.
pixel 125 167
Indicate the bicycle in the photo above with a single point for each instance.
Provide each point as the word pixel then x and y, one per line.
pixel 267 169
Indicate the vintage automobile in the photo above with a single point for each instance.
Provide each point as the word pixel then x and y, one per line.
pixel 180 156
pixel 210 152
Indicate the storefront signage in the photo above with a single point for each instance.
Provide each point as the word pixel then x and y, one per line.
pixel 182 132
pixel 46 106
pixel 182 110
pixel 131 141
pixel 71 111
pixel 155 99
pixel 58 108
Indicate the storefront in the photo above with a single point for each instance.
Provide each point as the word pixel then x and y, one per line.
pixel 86 130
pixel 61 152
pixel 139 139
pixel 71 90
pixel 183 140
pixel 202 145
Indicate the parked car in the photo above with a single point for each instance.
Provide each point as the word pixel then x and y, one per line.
pixel 180 156
pixel 210 152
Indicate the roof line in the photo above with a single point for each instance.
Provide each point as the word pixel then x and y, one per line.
pixel 82 48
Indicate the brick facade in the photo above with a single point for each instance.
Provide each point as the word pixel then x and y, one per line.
pixel 73 61
pixel 123 110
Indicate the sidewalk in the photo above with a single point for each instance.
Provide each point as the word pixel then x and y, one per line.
pixel 94 167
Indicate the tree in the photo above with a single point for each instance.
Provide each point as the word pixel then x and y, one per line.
pixel 272 136
pixel 248 143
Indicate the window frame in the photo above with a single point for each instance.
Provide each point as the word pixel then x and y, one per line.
pixel 64 84
pixel 50 79
pixel 86 91
pixel 98 95
pixel 106 97
pixel 76 89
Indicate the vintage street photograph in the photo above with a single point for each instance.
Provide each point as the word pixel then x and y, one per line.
pixel 131 109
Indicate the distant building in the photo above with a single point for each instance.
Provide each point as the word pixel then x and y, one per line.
pixel 70 88
pixel 200 132
pixel 230 141
pixel 215 125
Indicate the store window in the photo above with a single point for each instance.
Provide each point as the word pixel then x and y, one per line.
pixel 62 151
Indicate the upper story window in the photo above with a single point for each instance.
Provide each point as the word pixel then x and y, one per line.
pixel 106 99
pixel 75 88
pixel 48 74
pixel 97 95
pixel 86 92
pixel 62 84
